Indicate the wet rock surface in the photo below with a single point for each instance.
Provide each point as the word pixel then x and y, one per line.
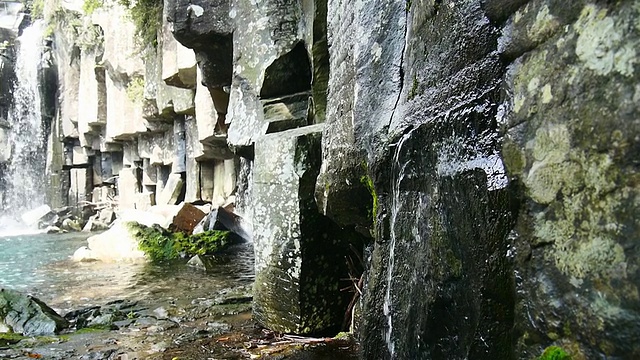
pixel 491 134
pixel 171 311
pixel 569 146
pixel 27 315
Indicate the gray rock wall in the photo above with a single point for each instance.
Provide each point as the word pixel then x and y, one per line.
pixel 571 137
pixel 126 113
pixel 490 132
pixel 485 147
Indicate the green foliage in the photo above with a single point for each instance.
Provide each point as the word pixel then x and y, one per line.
pixel 48 31
pixel 162 245
pixel 414 88
pixel 89 6
pixel 147 17
pixel 135 90
pixel 36 8
pixel 554 353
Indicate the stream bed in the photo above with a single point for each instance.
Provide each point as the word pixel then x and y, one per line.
pixel 174 311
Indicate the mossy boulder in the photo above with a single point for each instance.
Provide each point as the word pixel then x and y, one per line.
pixel 160 244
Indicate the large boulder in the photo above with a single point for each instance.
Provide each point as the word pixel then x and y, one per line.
pixel 27 315
pixel 113 245
pixel 224 219
pixel 186 219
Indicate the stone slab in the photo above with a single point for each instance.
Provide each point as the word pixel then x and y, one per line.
pixel 171 190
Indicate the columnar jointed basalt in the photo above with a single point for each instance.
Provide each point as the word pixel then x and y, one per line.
pixel 132 123
pixel 300 254
pixel 501 171
pixel 488 147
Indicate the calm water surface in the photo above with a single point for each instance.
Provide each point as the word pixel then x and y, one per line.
pixel 40 265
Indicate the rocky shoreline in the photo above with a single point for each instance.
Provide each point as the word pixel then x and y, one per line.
pixel 195 324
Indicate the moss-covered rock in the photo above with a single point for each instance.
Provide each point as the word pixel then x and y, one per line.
pixel 554 353
pixel 162 245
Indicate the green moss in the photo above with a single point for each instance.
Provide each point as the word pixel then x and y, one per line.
pixel 89 6
pixel 367 181
pixel 14 338
pixel 10 338
pixel 343 336
pixel 204 243
pixel 414 88
pixel 135 90
pixel 162 245
pixel 554 353
pixel 513 157
pixel 147 17
pixel 94 329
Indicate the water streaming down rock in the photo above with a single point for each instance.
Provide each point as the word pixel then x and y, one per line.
pixel 398 175
pixel 24 180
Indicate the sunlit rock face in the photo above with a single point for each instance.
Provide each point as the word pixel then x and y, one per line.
pixel 26 315
pixel 300 254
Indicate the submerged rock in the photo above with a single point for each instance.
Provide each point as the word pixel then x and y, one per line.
pixel 201 262
pixel 27 315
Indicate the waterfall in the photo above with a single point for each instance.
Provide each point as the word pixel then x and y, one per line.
pixel 25 177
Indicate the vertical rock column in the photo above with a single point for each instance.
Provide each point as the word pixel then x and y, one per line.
pixel 299 253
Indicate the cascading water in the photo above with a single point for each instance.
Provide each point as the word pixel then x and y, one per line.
pixel 398 176
pixel 25 178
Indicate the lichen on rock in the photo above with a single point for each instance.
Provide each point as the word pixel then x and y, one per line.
pixel 603 42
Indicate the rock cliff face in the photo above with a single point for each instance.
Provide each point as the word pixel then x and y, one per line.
pixel 484 151
pixel 504 182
